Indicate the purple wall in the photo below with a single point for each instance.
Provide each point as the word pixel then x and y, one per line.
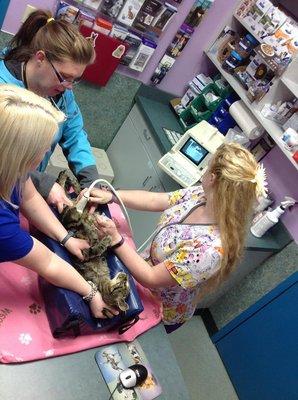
pixel 16 10
pixel 282 180
pixel 186 66
pixel 192 60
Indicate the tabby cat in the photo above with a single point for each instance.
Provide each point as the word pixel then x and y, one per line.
pixel 94 267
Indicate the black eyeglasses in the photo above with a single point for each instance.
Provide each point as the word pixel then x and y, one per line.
pixel 63 81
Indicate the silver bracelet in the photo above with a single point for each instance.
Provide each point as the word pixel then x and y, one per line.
pixel 92 292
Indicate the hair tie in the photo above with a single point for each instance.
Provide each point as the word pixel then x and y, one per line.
pixel 50 20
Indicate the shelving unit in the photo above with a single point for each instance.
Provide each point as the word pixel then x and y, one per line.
pixel 248 28
pixel 287 79
pixel 292 86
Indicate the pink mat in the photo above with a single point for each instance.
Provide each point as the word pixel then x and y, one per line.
pixel 24 330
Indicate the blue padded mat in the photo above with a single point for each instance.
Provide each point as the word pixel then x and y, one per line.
pixel 67 312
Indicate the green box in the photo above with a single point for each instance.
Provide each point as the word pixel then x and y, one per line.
pixel 199 110
pixel 186 119
pixel 212 106
pixel 221 91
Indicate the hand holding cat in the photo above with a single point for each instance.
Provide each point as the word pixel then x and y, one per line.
pixel 98 306
pixel 100 196
pixel 75 247
pixel 106 226
pixel 58 197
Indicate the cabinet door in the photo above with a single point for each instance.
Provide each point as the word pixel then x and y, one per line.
pixel 259 348
pixel 133 169
pixel 152 148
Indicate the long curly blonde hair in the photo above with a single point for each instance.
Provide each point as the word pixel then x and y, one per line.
pixel 235 193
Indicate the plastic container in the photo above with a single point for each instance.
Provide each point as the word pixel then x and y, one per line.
pixel 222 120
pixel 211 100
pixel 222 88
pixel 246 45
pixel 199 110
pixel 232 62
pixel 186 119
pixel 230 99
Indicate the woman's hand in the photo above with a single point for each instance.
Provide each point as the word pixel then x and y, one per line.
pixel 98 307
pixel 75 247
pixel 58 198
pixel 97 196
pixel 100 196
pixel 106 226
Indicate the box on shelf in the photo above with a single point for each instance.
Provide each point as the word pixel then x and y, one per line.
pixel 199 110
pixel 133 41
pixel 111 7
pixel 188 97
pixel 94 4
pixel 119 32
pixel 102 25
pixel 211 100
pixel 259 9
pixel 85 19
pixel 244 7
pixel 186 119
pixel 143 55
pixel 66 12
pixel 130 11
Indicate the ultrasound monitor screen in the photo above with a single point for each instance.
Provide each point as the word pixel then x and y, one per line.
pixel 193 151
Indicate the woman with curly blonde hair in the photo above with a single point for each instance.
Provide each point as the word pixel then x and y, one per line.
pixel 200 235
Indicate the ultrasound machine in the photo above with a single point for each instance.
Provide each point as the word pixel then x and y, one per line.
pixel 188 159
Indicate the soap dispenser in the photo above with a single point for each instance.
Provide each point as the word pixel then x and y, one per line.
pixel 271 218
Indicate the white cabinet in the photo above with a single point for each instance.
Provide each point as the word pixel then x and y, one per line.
pixel 133 155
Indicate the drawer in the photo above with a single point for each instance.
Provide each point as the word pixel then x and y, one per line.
pixel 154 153
pixel 145 134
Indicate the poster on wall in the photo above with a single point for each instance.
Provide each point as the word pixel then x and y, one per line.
pixel 180 40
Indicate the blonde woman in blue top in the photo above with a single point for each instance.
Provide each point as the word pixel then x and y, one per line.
pixel 28 125
pixel 48 57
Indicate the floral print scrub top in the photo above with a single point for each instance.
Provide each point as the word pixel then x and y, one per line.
pixel 190 252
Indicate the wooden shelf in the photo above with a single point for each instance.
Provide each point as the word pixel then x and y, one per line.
pixel 273 129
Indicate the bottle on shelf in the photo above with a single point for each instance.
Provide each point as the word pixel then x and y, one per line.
pixel 245 45
pixel 270 218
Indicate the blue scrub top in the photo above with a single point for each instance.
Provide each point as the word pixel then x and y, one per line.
pixel 15 242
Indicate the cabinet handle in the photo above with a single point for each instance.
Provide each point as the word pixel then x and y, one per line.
pixel 152 188
pixel 146 180
pixel 146 134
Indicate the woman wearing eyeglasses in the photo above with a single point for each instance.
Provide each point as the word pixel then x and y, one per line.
pixel 48 57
